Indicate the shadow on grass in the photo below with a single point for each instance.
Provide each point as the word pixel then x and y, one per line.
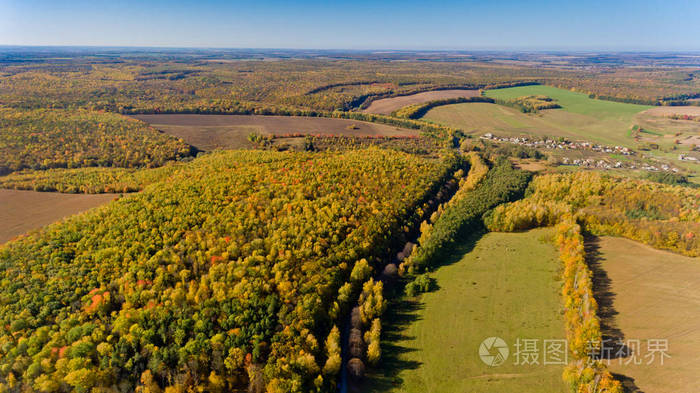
pixel 628 384
pixel 613 337
pixel 401 312
pixel 463 245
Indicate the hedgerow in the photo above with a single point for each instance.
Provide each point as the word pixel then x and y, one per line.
pixel 660 215
pixel 417 111
pixel 583 374
pixel 501 184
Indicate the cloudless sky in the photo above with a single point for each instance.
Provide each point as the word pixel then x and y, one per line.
pixel 360 24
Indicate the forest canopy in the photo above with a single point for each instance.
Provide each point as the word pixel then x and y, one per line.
pixel 51 138
pixel 220 278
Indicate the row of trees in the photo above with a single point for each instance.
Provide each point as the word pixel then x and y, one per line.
pixel 223 277
pixel 580 314
pixel 95 180
pixel 684 117
pixel 529 104
pixel 663 216
pixel 414 145
pixel 364 340
pixel 584 373
pixel 417 111
pixel 501 184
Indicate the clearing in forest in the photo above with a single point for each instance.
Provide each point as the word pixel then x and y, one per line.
pixel 504 285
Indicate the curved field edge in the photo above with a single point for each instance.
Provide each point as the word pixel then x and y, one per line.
pixel 185 285
pixel 387 106
pixel 571 101
pixel 580 118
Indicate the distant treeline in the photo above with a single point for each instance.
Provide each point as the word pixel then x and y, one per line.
pixel 341 84
pixel 681 99
pixel 529 104
pixel 626 100
pixel 364 101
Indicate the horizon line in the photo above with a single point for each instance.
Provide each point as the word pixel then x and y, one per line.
pixel 437 49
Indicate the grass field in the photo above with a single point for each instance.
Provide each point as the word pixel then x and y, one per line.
pixel 647 294
pixel 504 285
pixel 579 118
pixel 571 101
pixel 387 105
pixel 208 132
pixel 22 211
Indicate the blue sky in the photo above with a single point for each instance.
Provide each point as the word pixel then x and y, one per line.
pixel 361 24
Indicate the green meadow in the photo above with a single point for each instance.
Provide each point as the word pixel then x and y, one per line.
pixel 504 285
pixel 572 101
pixel 580 117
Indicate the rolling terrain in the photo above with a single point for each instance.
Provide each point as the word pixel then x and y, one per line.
pixel 580 117
pixel 280 239
pixel 645 129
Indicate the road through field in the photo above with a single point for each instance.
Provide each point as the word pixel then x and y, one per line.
pixel 652 296
pixel 23 211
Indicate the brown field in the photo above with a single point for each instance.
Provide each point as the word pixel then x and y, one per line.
pixel 387 105
pixel 647 294
pixel 209 132
pixel 23 211
pixel 690 140
pixel 530 164
pixel 673 110
pixel 685 131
